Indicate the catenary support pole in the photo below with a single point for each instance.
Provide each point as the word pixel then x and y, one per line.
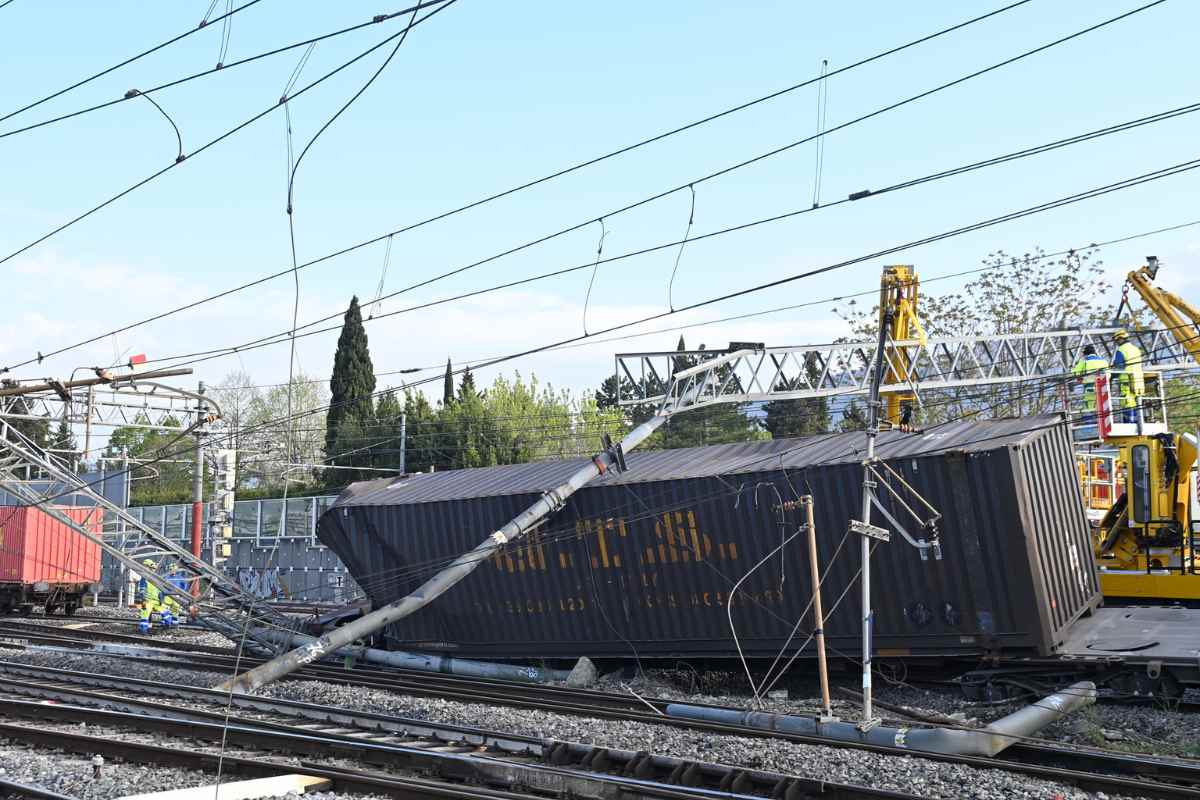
pixel 873 407
pixel 198 486
pixel 440 583
pixel 814 572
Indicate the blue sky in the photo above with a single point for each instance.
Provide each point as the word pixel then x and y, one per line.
pixel 487 95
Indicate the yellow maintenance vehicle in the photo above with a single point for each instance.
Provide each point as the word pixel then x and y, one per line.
pixel 1147 544
pixel 1139 479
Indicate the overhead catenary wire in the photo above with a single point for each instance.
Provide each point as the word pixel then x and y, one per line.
pixel 551 176
pixel 179 156
pixel 126 62
pixel 309 43
pixel 226 35
pixel 819 156
pixel 763 312
pixel 221 137
pixel 196 357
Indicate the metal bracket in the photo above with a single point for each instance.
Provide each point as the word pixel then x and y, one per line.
pixel 869 530
pixel 867 725
pixel 615 451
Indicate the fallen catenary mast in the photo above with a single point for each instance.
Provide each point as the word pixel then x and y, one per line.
pixel 460 568
pixel 987 741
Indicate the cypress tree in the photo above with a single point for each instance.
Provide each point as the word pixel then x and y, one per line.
pixel 353 381
pixel 466 389
pixel 448 386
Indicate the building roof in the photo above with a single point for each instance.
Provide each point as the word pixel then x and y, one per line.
pixel 696 462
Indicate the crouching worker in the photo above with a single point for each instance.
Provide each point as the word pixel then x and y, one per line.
pixel 183 582
pixel 149 599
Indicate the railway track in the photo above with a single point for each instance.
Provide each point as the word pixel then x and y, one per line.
pixel 1092 770
pixel 525 766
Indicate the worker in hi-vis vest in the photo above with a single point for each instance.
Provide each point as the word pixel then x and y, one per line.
pixel 1085 370
pixel 148 597
pixel 1127 369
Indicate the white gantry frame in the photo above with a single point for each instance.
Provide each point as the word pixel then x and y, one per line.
pixel 788 373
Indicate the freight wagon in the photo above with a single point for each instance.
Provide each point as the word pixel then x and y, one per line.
pixel 44 562
pixel 644 563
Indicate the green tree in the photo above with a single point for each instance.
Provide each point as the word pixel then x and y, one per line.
pixel 466 388
pixel 423 429
pixel 64 442
pixel 793 418
pixel 161 462
pixel 448 385
pixel 854 417
pixel 271 444
pixel 385 433
pixel 352 385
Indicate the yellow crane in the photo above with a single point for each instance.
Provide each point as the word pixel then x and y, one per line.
pixel 899 292
pixel 1146 545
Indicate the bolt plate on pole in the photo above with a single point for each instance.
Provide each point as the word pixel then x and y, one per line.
pixel 870 531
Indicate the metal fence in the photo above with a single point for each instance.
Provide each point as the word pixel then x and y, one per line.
pixel 274 554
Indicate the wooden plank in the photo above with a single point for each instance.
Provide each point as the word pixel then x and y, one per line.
pixel 276 786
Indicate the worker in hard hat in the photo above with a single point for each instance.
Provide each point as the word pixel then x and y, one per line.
pixel 1127 368
pixel 1084 370
pixel 149 596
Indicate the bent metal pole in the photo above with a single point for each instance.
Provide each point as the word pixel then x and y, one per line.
pixel 440 583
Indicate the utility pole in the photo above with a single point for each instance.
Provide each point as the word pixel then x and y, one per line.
pixel 814 572
pixel 403 443
pixel 198 485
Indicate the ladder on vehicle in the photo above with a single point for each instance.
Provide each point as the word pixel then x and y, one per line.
pixel 223 605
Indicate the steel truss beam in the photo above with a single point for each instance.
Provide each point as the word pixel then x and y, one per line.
pixel 791 373
pixel 148 405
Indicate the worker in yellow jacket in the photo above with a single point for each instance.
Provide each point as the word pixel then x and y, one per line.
pixel 1127 369
pixel 148 597
pixel 1085 370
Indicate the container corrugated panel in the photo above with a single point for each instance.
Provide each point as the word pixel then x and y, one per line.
pixel 644 563
pixel 35 547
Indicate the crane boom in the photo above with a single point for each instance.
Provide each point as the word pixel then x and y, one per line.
pixel 1177 315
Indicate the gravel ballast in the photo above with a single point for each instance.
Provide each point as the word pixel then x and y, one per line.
pixel 909 773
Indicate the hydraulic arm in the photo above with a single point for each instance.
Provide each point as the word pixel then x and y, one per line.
pixel 1144 543
pixel 898 295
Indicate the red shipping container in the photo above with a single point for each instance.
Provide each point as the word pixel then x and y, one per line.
pixel 35 547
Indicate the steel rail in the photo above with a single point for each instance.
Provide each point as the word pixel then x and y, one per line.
pixel 402 788
pixel 1084 768
pixel 564 770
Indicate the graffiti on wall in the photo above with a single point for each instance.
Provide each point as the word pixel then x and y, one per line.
pixel 262 582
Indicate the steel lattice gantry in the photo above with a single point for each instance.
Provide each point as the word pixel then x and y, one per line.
pixel 39 478
pixel 785 373
pixel 144 404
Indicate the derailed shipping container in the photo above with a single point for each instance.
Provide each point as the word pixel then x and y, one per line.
pixel 645 561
